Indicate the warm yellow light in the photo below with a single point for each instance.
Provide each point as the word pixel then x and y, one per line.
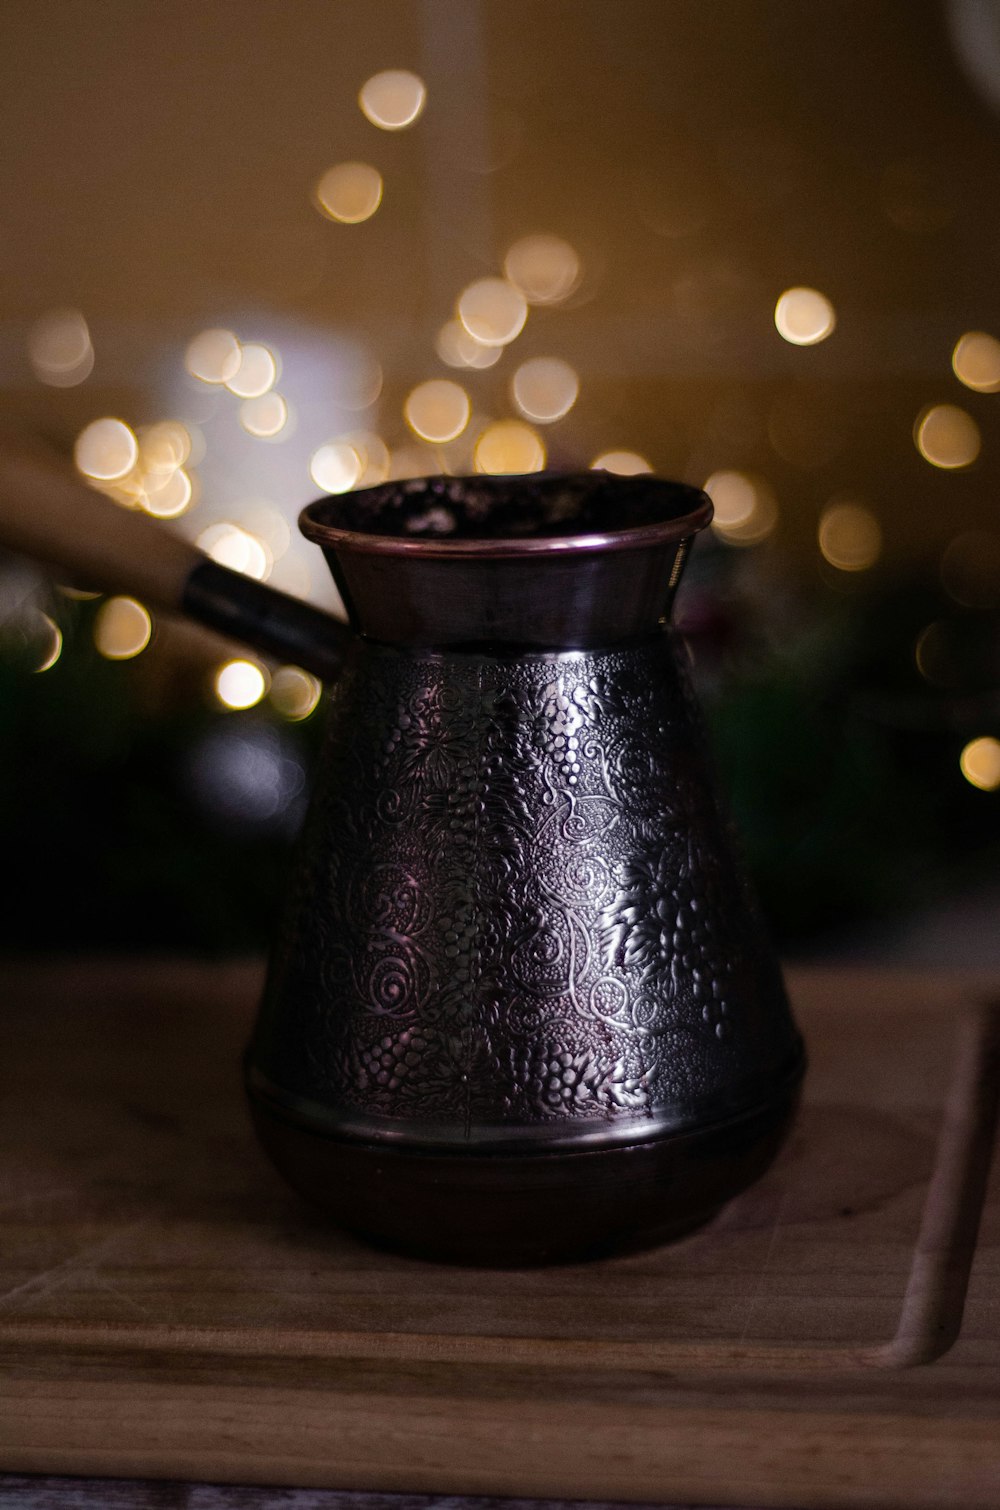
pixel 257 372
pixel 976 361
pixel 164 447
pixel 373 454
pixel 509 447
pixel 850 537
pixel 294 692
pixel 804 316
pixel 336 467
pixel 240 684
pixel 746 510
pixel 169 497
pixel 59 348
pixel 492 310
pixel 122 629
pixel 545 269
pixel 455 346
pixel 363 385
pixel 545 389
pixel 970 569
pixel 264 417
pixel 980 762
pixel 349 192
pixel 106 450
pixel 51 644
pixel 231 545
pixel 213 356
pixel 394 99
pixel 269 526
pixel 946 436
pixel 621 463
pixel 437 410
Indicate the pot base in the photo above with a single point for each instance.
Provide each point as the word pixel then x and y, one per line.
pixel 498 1209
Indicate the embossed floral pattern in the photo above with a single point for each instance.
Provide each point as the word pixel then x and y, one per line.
pixel 516 904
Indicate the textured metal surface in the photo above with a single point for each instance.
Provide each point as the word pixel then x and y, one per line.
pixel 517 915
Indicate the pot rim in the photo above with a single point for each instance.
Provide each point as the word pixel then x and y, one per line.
pixel 630 537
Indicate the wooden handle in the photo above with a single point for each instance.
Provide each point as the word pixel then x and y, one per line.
pixel 48 513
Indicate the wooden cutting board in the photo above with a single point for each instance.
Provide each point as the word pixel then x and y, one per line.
pixel 168 1309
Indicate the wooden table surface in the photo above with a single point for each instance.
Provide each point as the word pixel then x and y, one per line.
pixel 169 1311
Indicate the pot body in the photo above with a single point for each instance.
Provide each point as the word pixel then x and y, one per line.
pixel 521 1007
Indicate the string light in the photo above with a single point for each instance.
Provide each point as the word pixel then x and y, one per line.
pixel 231 545
pixel 264 417
pixel 458 348
pixel 170 497
pixel 336 467
pixel 976 361
pixel 850 537
pixel 393 99
pixel 52 645
pixel 294 692
pixel 122 629
pixel 349 192
pixel 980 763
pixel 437 410
pixel 106 450
pixel 257 372
pixel 545 389
pixel 493 311
pixel 508 447
pixel 804 316
pixel 214 356
pixel 59 348
pixel 621 463
pixel 746 510
pixel 240 684
pixel 545 269
pixel 947 437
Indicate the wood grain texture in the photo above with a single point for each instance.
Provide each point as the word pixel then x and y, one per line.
pixel 168 1309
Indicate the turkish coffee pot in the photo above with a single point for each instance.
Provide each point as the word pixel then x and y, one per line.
pixel 521 1007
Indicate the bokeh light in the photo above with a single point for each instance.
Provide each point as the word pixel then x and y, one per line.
pixel 164 447
pixel 458 348
pixel 545 389
pixel 106 450
pixel 122 629
pixel 233 546
pixel 214 356
pixel 393 99
pixel 336 467
pixel 59 348
pixel 492 310
pixel 976 361
pixel 257 372
pixel 804 316
pixel 946 436
pixel 850 536
pixel 373 455
pixel 621 463
pixel 508 447
pixel 294 692
pixel 168 497
pixel 746 510
pixel 980 763
pixel 240 684
pixel 437 410
pixel 544 268
pixel 349 192
pixel 970 569
pixel 264 417
pixel 49 641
